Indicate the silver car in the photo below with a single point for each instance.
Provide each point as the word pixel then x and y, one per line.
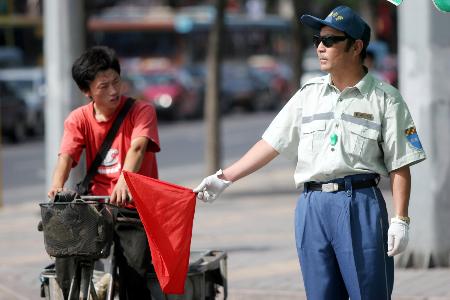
pixel 29 84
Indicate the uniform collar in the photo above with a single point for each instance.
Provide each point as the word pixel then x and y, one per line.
pixel 329 84
pixel 363 86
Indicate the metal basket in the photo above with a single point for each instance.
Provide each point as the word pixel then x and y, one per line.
pixel 78 228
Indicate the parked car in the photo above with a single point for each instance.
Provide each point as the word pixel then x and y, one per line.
pixel 11 57
pixel 170 90
pixel 13 111
pixel 29 84
pixel 239 86
pixel 275 75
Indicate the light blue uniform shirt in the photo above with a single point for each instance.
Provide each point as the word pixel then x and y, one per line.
pixel 331 134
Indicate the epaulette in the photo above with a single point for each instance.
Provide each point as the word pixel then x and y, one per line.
pixel 315 80
pixel 388 89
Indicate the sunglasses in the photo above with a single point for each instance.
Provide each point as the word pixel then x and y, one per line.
pixel 328 40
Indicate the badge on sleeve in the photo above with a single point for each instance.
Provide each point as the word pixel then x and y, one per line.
pixel 413 138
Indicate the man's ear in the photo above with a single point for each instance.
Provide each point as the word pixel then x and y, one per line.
pixel 88 95
pixel 358 45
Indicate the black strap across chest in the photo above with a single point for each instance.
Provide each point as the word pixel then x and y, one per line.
pixel 83 187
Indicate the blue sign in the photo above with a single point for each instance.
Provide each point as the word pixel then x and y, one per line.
pixel 183 24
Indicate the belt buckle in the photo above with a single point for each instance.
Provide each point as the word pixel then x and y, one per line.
pixel 330 187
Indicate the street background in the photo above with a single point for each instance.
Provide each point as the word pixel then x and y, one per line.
pixel 266 56
pixel 252 221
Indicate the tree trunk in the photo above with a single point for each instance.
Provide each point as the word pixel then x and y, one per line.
pixel 212 117
pixel 299 39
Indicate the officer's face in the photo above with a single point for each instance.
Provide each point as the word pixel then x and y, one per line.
pixel 335 57
pixel 105 89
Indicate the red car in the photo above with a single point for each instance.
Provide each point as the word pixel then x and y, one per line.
pixel 171 91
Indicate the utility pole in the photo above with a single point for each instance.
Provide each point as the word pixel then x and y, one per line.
pixel 424 51
pixel 64 41
pixel 212 106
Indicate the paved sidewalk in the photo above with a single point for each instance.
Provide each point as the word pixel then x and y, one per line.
pixel 253 222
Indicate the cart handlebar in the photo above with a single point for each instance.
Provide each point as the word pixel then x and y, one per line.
pixel 106 198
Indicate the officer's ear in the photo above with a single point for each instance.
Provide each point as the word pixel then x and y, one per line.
pixel 357 47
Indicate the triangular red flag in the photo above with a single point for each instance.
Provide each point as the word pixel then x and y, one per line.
pixel 167 212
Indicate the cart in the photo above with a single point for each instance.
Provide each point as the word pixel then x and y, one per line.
pixel 84 230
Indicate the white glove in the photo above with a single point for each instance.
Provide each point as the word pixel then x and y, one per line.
pixel 398 236
pixel 211 187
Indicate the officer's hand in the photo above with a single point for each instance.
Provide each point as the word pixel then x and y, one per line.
pixel 120 195
pixel 398 236
pixel 211 187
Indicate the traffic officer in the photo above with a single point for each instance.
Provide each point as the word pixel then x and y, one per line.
pixel 344 130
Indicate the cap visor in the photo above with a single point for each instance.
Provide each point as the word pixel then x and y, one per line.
pixel 316 23
pixel 312 22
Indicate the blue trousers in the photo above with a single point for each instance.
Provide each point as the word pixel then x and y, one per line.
pixel 341 242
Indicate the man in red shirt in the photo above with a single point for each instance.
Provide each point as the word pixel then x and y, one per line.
pixel 97 74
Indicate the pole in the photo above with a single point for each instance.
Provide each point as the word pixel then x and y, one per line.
pixel 424 49
pixel 212 116
pixel 64 40
pixel 9 36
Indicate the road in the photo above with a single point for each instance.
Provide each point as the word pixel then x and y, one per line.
pixel 252 222
pixel 181 157
pixel 180 161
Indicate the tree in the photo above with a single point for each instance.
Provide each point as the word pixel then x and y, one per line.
pixel 212 117
pixel 299 38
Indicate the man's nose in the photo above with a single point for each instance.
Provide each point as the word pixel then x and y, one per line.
pixel 321 48
pixel 114 89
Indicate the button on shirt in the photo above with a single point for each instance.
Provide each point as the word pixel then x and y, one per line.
pixel 366 128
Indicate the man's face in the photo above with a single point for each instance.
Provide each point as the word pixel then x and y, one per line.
pixel 104 90
pixel 335 57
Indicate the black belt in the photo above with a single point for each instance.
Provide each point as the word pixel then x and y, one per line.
pixel 335 187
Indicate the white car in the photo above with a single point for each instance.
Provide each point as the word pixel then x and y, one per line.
pixel 29 84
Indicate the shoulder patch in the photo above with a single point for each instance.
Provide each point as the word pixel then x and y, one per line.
pixel 413 138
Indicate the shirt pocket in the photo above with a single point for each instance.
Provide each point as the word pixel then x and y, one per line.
pixel 363 142
pixel 312 135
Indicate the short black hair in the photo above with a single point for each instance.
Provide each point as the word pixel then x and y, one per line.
pixel 91 62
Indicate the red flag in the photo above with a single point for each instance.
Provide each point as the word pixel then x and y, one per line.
pixel 167 212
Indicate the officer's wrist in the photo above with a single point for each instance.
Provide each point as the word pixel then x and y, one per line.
pixel 220 174
pixel 405 219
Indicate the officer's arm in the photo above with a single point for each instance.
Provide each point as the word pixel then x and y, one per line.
pixel 401 187
pixel 133 161
pixel 257 157
pixel 60 175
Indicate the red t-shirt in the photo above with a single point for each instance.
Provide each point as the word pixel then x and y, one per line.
pixel 83 131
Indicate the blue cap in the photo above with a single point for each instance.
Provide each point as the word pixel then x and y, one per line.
pixel 344 19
